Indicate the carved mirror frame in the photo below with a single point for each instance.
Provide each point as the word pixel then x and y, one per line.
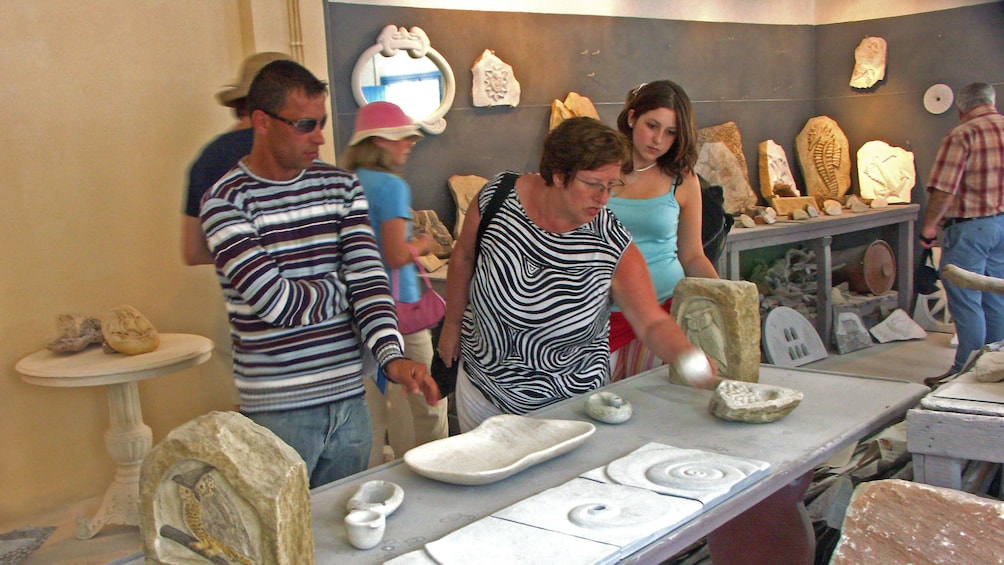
pixel 393 39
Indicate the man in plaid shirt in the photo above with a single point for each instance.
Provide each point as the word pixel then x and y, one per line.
pixel 966 190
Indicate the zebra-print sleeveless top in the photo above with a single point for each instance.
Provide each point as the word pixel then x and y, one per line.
pixel 537 322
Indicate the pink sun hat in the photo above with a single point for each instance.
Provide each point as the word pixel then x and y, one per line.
pixel 383 119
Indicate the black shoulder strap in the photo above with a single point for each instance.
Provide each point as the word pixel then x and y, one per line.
pixel 507 185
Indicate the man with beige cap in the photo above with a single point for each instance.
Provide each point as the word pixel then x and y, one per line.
pixel 219 156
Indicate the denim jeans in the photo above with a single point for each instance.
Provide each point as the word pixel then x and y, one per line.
pixel 977 246
pixel 333 439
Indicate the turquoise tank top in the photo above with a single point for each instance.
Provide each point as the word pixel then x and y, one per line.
pixel 653 224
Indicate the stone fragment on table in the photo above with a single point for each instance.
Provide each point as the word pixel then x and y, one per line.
pixel 127 330
pixel 812 211
pixel 753 403
pixel 799 215
pixel 75 333
pixel 746 221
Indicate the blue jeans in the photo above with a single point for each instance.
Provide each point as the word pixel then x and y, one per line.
pixel 333 439
pixel 977 246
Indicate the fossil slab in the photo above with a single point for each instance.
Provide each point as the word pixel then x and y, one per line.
pixel 464 189
pixel 755 403
pixel 825 159
pixel 885 172
pixel 222 487
pixel 501 446
pixel 619 515
pixel 721 161
pixel 493 82
pixel 722 318
pixel 869 62
pixel 689 473
pixel 775 173
pixel 574 105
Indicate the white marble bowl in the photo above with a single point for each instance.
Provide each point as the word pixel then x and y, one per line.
pixel 755 403
pixel 380 496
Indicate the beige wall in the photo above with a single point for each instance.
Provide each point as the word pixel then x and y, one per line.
pixel 104 104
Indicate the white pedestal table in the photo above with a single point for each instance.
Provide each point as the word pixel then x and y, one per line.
pixel 128 439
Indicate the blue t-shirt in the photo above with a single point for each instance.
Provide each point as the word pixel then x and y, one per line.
pixel 389 197
pixel 653 223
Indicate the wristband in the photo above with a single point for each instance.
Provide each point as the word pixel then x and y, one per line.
pixel 927 240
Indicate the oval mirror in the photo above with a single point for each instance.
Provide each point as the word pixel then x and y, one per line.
pixel 404 69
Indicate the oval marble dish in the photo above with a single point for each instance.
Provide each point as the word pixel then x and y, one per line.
pixel 500 447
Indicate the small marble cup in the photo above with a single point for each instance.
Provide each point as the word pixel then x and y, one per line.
pixel 365 528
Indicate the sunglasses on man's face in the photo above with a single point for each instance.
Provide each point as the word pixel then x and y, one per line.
pixel 304 125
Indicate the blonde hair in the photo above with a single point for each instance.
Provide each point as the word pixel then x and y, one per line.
pixel 368 155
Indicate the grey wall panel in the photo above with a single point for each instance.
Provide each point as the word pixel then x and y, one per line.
pixel 759 76
pixel 768 79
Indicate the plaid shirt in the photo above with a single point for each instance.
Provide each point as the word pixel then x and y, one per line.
pixel 970 165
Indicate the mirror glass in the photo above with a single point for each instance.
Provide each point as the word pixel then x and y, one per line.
pixel 416 85
pixel 404 69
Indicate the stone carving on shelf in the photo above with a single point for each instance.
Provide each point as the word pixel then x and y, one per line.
pixel 722 318
pixel 721 161
pixel 869 62
pixel 221 487
pixel 493 82
pixel 775 173
pixel 75 333
pixel 850 333
pixel 128 331
pixel 885 172
pixel 824 157
pixel 789 340
pixel 754 403
pixel 427 221
pixel 464 189
pixel 574 105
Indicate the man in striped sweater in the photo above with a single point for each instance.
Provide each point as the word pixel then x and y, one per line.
pixel 303 282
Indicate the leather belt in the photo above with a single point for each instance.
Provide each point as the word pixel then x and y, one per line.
pixel 949 222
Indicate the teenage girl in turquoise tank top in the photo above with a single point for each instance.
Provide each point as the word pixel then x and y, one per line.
pixel 660 205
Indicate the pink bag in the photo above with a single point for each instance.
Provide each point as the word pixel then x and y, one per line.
pixel 427 312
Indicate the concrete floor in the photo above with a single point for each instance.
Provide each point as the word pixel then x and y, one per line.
pixel 119 545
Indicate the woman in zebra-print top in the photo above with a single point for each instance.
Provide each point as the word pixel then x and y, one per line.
pixel 528 306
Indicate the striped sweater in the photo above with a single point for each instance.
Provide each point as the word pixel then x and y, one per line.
pixel 301 275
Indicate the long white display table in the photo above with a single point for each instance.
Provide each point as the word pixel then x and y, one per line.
pixel 837 410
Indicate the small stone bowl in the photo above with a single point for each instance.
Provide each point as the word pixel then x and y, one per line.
pixel 608 407
pixel 380 496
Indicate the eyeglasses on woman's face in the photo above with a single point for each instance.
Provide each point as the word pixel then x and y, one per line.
pixel 613 187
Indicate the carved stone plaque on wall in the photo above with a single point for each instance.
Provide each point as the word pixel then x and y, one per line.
pixel 886 172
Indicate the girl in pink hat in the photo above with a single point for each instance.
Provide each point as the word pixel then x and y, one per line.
pixel 379 148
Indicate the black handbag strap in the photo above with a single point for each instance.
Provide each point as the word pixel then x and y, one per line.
pixel 506 185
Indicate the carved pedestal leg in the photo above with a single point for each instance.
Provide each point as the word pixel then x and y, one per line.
pixel 128 441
